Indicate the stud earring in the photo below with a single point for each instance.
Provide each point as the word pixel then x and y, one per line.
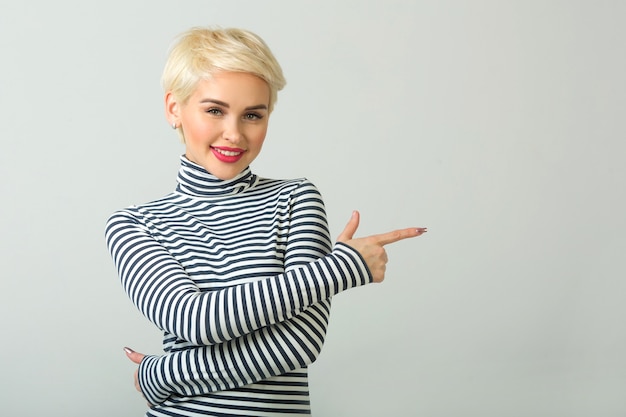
pixel 174 125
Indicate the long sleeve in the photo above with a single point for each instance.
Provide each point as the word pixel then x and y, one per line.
pixel 163 291
pixel 271 350
pixel 267 352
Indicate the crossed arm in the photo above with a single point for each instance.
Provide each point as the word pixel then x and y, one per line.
pixel 280 322
pixel 258 341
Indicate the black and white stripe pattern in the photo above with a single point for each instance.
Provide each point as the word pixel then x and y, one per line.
pixel 239 275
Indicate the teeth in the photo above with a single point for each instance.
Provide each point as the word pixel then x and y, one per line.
pixel 227 153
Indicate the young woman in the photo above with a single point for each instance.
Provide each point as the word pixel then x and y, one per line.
pixel 237 270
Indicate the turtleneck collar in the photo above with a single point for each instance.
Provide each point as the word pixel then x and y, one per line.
pixel 196 181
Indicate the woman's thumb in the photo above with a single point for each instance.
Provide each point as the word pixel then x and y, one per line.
pixel 350 229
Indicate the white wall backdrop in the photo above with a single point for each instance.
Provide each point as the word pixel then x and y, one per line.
pixel 499 125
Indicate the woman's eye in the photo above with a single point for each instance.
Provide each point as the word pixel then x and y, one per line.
pixel 214 111
pixel 253 116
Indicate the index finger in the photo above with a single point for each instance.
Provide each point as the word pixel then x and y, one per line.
pixel 400 234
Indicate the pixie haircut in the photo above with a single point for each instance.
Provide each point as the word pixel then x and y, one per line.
pixel 201 52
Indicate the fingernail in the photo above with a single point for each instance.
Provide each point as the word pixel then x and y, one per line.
pixel 128 350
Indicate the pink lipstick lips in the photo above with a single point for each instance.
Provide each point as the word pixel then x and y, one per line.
pixel 228 155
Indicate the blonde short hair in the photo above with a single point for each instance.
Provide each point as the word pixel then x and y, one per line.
pixel 201 52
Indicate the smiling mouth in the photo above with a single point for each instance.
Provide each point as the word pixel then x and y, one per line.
pixel 228 155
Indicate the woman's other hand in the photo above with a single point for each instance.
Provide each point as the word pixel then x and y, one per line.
pixel 136 357
pixel 372 248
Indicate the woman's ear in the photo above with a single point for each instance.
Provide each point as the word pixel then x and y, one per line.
pixel 172 109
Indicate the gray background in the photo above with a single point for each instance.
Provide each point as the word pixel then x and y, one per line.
pixel 499 125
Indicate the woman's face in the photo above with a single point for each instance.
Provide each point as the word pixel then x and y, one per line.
pixel 224 122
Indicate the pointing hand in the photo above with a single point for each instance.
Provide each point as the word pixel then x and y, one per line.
pixel 372 248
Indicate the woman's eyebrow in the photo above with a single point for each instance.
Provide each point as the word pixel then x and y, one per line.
pixel 257 107
pixel 224 104
pixel 214 101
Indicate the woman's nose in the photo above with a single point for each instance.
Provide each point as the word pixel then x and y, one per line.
pixel 232 131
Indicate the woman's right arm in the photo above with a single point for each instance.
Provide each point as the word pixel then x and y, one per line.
pixel 273 350
pixel 162 290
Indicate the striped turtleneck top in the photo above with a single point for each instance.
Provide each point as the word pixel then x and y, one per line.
pixel 238 274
